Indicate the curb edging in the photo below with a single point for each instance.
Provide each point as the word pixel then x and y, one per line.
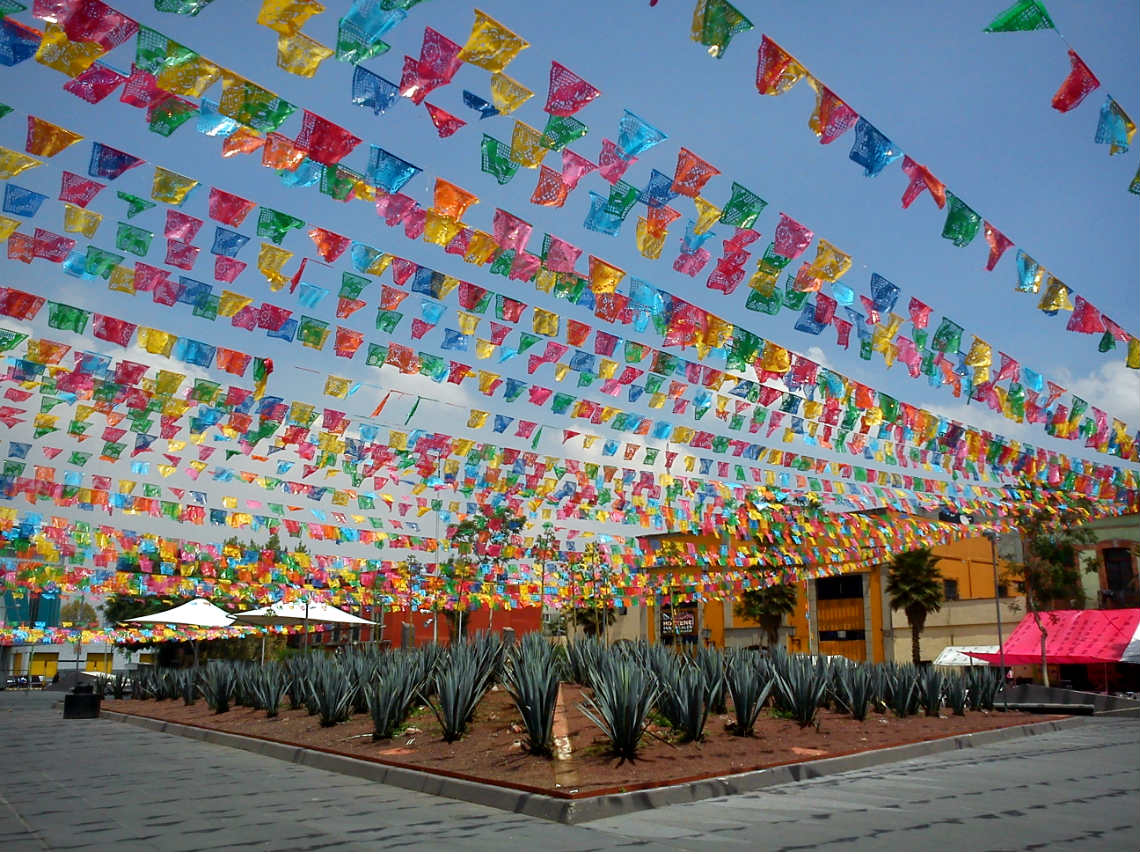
pixel 584 809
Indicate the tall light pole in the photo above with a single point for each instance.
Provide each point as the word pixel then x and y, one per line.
pixel 992 537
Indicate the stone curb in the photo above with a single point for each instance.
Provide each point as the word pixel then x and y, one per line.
pixel 578 810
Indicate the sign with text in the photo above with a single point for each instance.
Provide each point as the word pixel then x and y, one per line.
pixel 686 621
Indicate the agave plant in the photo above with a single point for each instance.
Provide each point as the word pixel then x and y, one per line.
pixel 187 685
pixel 904 688
pixel 711 662
pixel 930 691
pixel 623 694
pixel 399 678
pixel 801 685
pixel 982 686
pixel 584 655
pixel 688 694
pixel 955 688
pixel 217 684
pixel 531 677
pixel 749 684
pixel 459 686
pixel 270 686
pixel 118 686
pixel 856 688
pixel 330 692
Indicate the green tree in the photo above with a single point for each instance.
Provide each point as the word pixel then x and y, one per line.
pixel 79 613
pixel 768 607
pixel 542 551
pixel 592 571
pixel 1051 538
pixel 914 586
pixel 473 539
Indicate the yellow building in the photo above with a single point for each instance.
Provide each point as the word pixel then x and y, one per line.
pixel 850 614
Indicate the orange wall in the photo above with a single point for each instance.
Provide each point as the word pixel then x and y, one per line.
pixel 970 563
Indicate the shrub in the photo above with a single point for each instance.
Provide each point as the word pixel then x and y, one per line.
pixel 930 691
pixel 956 693
pixel 856 689
pixel 330 692
pixel 623 694
pixel 459 686
pixel 710 660
pixel 749 684
pixel 689 701
pixel 217 684
pixel 270 686
pixel 531 677
pixel 399 677
pixel 801 685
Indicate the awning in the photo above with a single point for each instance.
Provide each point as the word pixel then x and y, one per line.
pixel 964 656
pixel 1074 637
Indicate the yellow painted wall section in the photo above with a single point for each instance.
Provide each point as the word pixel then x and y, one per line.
pixel 45 664
pixel 99 661
pixel 17 663
pixel 970 563
pixel 875 593
pixel 799 642
pixel 712 618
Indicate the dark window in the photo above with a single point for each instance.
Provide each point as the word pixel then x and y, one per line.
pixel 843 634
pixel 950 589
pixel 1003 591
pixel 839 587
pixel 1118 569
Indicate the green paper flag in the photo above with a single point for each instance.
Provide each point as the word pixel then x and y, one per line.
pixel 338 181
pixel 716 24
pixel 101 262
pixel 274 225
pixel 497 160
pixel 135 205
pixel 560 131
pixel 351 285
pixel 4 110
pixel 10 338
pixel 170 114
pixel 78 458
pixel 1107 342
pixel 622 197
pixel 181 7
pixel 962 223
pixel 68 317
pixel 377 355
pixel 387 320
pixel 312 332
pixel 742 208
pixel 948 338
pixel 207 307
pixel 133 239
pixel 1021 16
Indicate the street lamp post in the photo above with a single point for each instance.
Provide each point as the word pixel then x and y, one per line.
pixel 992 537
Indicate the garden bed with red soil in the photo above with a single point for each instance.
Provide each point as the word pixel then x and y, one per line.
pixel 492 750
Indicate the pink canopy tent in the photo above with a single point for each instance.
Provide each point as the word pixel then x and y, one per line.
pixel 1074 637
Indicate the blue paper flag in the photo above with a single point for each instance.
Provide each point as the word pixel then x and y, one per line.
pixel 502 422
pixel 635 135
pixel 305 175
pixel 871 149
pixel 21 202
pixel 227 242
pixel 373 91
pixel 287 331
pixel 431 312
pixel 373 18
pixel 110 163
pixel 389 172
pixel 599 219
pixel 658 192
pixel 807 322
pixel 884 294
pixel 16 43
pixel 310 294
pixel 194 352
pixel 213 123
pixel 454 340
pixel 485 108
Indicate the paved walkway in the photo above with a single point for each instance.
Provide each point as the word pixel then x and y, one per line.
pixel 108 786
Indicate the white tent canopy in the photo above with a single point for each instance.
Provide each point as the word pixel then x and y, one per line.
pixel 299 613
pixel 198 613
pixel 959 656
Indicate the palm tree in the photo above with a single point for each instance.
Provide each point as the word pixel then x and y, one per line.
pixel 767 606
pixel 915 587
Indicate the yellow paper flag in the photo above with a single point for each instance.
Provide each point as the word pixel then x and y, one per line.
pixel 12 163
pixel 526 145
pixel 156 341
pixel 77 220
pixel 58 52
pixel 491 45
pixel 270 260
pixel 298 54
pixel 47 140
pixel 707 214
pixel 508 95
pixel 170 187
pixel 287 16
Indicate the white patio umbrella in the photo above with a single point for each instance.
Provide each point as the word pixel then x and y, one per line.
pixel 197 613
pixel 299 613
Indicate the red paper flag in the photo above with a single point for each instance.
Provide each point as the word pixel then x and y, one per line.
pixel 180 226
pixel 549 191
pixel 227 269
pixel 998 244
pixel 181 255
pixel 77 190
pixel 51 247
pixel 19 304
pixel 117 332
pixel 326 142
pixel 510 231
pixel 348 341
pixel 1086 317
pixel 611 165
pixel 95 83
pixel 445 123
pixel 228 208
pixel 330 246
pixel 561 256
pixel 568 92
pixel 921 179
pixel 231 361
pixel 1080 82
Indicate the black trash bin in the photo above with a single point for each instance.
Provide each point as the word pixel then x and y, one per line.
pixel 82 702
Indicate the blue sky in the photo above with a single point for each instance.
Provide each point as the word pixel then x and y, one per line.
pixel 973 107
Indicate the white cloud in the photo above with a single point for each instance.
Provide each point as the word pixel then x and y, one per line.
pixel 1113 387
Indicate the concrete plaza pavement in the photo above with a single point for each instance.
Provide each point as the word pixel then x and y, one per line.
pixel 100 785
